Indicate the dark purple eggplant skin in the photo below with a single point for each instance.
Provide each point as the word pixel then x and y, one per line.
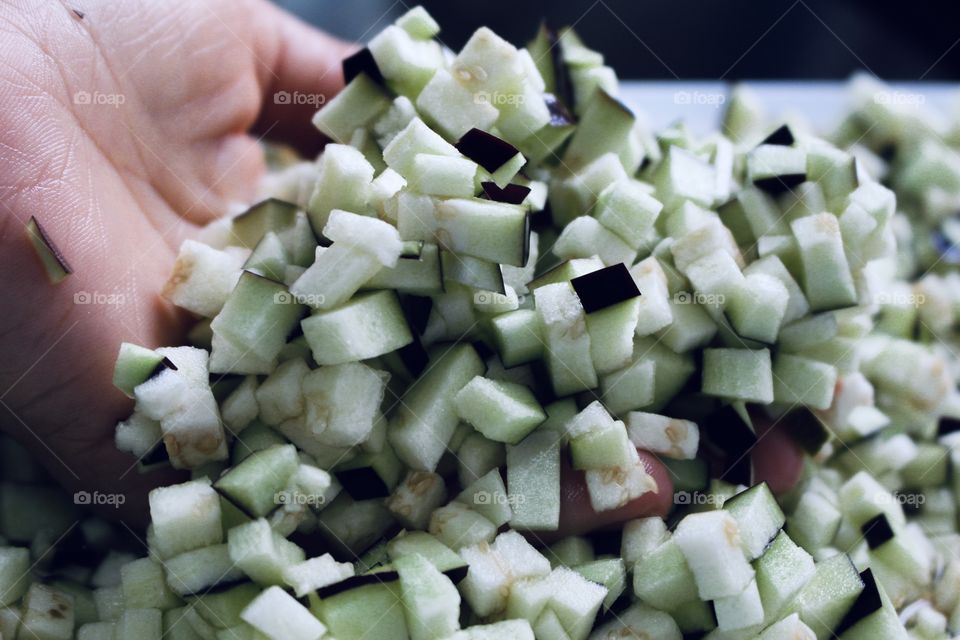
pixel 416 309
pixel 51 246
pixel 604 288
pixel 456 574
pixel 867 602
pixel 362 483
pixel 806 429
pixel 781 136
pixel 527 227
pixel 486 149
pixel 727 443
pixel 877 531
pixel 561 72
pixel 778 185
pixel 510 194
pixel 361 62
pixel 414 358
pixel 560 116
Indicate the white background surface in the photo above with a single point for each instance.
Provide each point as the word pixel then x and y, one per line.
pixel 700 104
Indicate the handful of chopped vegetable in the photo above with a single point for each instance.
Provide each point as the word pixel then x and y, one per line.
pixel 493 272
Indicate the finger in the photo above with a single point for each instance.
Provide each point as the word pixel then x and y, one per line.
pixel 239 163
pixel 304 73
pixel 577 516
pixel 777 458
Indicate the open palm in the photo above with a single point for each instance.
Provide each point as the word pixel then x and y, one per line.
pixel 123 127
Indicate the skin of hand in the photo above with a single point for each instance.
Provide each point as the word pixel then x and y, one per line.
pixel 125 127
pixel 776 458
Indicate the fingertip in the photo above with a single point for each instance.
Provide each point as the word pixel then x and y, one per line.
pixel 777 458
pixel 577 516
pixel 662 501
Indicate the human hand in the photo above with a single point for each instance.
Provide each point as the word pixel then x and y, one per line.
pixel 123 132
pixel 776 459
pixel 126 126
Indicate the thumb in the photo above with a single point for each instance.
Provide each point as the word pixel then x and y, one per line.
pixel 302 72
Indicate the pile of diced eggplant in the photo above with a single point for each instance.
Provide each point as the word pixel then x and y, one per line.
pixel 497 282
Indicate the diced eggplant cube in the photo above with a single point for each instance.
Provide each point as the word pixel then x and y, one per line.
pixel 604 288
pixel 53 260
pixel 511 194
pixel 877 530
pixel 486 149
pixel 361 62
pixel 782 136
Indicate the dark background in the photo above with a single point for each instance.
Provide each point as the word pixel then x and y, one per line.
pixel 700 39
